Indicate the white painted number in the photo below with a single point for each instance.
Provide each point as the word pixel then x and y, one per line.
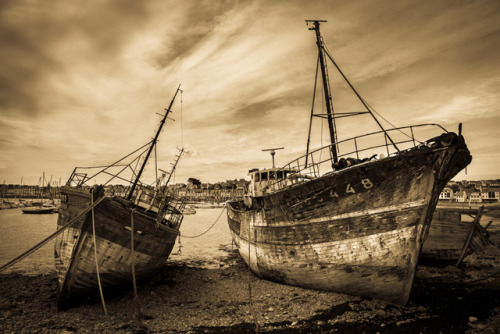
pixel 367 183
pixel 333 194
pixel 349 189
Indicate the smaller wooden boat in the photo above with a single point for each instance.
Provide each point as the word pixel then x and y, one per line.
pixel 112 241
pixel 39 209
pixel 454 234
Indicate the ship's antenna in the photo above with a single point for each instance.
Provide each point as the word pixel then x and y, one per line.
pixel 273 151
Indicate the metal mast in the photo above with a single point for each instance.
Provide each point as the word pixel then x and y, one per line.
pixel 326 87
pixel 153 143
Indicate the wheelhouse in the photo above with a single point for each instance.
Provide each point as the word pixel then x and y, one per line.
pixel 267 180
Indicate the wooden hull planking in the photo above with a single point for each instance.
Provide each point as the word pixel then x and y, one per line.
pixel 74 248
pixel 451 238
pixel 357 231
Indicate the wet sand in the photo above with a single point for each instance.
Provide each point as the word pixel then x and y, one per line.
pixel 191 299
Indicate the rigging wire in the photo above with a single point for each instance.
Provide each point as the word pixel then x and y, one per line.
pixel 182 132
pixel 369 107
pixel 182 129
pixel 156 165
pixel 323 121
pixel 312 110
pixel 394 127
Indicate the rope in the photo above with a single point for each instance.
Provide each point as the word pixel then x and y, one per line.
pixel 95 254
pixel 199 235
pixel 179 251
pixel 132 258
pixel 250 285
pixel 50 237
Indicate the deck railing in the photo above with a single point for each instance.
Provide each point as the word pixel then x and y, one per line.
pixel 356 149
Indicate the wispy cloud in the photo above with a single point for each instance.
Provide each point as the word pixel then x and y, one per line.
pixel 83 83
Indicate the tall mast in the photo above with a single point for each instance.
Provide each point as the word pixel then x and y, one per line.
pixel 326 87
pixel 153 143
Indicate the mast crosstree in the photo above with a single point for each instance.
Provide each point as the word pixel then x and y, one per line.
pixel 153 143
pixel 323 54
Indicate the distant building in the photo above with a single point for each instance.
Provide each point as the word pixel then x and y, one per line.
pixel 446 195
pixel 485 191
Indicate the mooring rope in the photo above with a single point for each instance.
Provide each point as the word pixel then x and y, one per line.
pixel 95 254
pixel 132 260
pixel 50 237
pixel 199 235
pixel 249 284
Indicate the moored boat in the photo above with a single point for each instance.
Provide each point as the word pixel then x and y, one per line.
pixel 454 234
pixel 39 209
pixel 189 210
pixel 209 205
pixel 347 221
pixel 117 238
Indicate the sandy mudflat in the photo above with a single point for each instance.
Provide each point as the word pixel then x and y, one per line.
pixel 187 299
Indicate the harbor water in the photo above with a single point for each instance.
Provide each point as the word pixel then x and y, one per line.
pixel 20 232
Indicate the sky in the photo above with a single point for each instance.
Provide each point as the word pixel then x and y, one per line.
pixel 85 83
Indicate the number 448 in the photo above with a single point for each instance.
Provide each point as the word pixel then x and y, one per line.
pixel 367 184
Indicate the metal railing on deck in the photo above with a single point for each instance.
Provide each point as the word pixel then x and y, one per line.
pixel 320 161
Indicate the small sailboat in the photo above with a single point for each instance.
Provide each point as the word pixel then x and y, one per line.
pixel 108 239
pixel 341 218
pixel 40 206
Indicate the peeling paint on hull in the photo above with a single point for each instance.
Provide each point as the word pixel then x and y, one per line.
pixel 357 231
pixel 74 248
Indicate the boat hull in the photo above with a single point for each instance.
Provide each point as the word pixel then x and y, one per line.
pixel 38 210
pixel 357 231
pixel 74 248
pixel 452 238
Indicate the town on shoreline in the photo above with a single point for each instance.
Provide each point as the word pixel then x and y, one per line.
pixel 483 191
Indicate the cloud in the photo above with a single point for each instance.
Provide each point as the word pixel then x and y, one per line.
pixel 83 83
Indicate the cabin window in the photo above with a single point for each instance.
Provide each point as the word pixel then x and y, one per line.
pixel 264 176
pixel 280 174
pixel 272 175
pixel 257 177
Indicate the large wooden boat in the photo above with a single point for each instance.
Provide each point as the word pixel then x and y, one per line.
pixel 116 238
pixel 454 234
pixel 347 222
